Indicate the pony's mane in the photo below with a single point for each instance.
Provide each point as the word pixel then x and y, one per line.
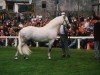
pixel 55 20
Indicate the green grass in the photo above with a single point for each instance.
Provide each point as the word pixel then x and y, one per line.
pixel 80 63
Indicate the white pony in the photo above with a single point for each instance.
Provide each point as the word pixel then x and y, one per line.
pixel 47 33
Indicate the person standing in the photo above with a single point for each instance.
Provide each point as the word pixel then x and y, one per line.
pixel 97 37
pixel 64 39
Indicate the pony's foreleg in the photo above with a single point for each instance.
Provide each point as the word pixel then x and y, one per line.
pixel 16 55
pixel 49 48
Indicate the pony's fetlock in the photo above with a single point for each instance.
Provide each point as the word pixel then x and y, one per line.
pixel 16 58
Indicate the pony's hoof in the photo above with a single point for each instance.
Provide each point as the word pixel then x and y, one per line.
pixel 15 58
pixel 26 58
pixel 49 58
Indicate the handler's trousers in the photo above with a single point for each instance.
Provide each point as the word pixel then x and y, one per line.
pixel 64 44
pixel 97 49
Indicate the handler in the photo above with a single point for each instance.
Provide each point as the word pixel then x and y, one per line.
pixel 64 38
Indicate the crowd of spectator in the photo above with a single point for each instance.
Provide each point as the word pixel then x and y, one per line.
pixel 10 25
pixel 81 26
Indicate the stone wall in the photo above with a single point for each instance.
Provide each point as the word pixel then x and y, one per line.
pixel 49 10
pixel 3 4
pixel 63 5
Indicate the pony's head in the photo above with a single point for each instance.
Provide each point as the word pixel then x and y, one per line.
pixel 65 20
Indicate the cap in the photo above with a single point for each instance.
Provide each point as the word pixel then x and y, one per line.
pixel 63 13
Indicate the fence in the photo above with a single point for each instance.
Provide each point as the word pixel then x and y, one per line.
pixel 37 44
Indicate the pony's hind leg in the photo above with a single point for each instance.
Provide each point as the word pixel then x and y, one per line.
pixel 26 57
pixel 17 52
pixel 49 48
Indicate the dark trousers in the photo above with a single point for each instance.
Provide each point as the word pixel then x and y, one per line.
pixel 97 49
pixel 64 44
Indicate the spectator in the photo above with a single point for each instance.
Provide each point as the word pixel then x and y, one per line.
pixel 97 37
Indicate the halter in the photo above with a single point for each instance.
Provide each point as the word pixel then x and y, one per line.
pixel 67 24
pixel 64 17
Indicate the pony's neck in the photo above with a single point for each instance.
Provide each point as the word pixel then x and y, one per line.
pixel 55 23
pixel 53 27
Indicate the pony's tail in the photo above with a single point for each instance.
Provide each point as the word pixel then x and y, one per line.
pixel 23 48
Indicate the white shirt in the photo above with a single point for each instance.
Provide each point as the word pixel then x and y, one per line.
pixel 61 30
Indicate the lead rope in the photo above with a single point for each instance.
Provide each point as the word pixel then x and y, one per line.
pixel 66 26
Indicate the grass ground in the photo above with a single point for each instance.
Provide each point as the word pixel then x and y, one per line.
pixel 80 63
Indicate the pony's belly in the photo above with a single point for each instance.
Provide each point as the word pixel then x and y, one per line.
pixel 45 36
pixel 40 38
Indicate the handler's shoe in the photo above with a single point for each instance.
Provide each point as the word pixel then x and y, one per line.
pixel 97 58
pixel 63 56
pixel 68 56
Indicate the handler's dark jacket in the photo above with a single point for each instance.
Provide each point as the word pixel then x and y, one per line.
pixel 97 31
